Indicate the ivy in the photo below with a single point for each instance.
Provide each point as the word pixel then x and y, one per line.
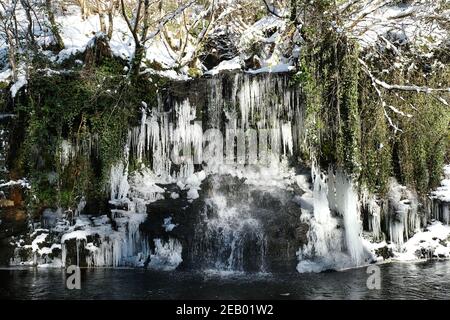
pixel 92 110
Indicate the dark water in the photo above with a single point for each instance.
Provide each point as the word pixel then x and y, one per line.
pixel 425 280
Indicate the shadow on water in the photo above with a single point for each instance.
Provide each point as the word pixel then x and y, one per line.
pixel 425 280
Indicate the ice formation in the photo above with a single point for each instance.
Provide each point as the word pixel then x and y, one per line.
pixel 403 217
pixel 440 207
pixel 334 238
pixel 172 147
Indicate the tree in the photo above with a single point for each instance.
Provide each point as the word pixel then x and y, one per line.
pixel 138 19
pixel 53 25
pixel 9 29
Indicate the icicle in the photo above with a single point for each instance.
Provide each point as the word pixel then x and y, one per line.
pixel 119 181
pixel 325 240
pixel 347 205
pixel 320 192
pixel 142 133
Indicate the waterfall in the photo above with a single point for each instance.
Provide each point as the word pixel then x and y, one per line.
pixel 228 235
pixel 248 128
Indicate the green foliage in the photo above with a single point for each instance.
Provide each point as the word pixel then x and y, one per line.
pixel 92 110
pixel 346 122
pixel 329 76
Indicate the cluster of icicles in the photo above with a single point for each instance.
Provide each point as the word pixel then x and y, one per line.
pixel 329 246
pixel 264 102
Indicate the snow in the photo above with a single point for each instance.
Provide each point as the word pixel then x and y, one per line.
pixel 227 65
pixel 47 250
pixel 282 67
pixel 19 84
pixel 434 241
pixel 193 182
pixel 411 28
pixel 443 192
pixel 192 194
pixel 5 75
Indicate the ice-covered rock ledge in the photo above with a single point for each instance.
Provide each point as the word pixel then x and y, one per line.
pixel 433 242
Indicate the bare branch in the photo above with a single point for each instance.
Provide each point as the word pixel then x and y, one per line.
pixel 413 88
pixel 272 10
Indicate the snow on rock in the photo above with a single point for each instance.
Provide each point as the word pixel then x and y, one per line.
pixel 78 235
pixel 274 54
pixel 227 65
pixel 433 242
pixel 256 31
pixel 23 183
pixel 443 192
pixel 282 67
pixel 39 239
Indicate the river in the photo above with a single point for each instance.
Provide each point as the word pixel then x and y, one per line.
pixel 422 280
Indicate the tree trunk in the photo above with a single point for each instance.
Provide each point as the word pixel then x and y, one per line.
pixel 101 17
pixel 137 60
pixel 12 54
pixel 110 24
pixel 27 8
pixel 52 20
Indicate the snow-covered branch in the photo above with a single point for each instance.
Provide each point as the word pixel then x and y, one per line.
pixel 387 86
pixel 167 18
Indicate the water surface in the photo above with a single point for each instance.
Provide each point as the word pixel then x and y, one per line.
pixel 424 280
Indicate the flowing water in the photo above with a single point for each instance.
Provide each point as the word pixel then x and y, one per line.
pixel 424 280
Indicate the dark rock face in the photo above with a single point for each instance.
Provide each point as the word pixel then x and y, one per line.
pixel 13 216
pixel 218 47
pixel 255 230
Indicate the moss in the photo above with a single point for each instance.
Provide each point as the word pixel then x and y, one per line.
pixel 194 72
pixel 93 110
pixel 347 125
pixel 329 76
pixel 25 254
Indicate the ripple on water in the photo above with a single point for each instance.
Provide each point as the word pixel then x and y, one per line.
pixel 427 280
